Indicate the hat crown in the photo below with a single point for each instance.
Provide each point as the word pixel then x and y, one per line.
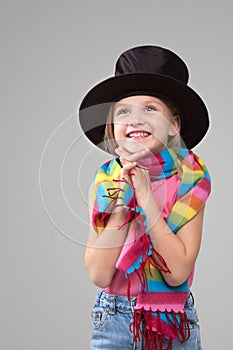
pixel 152 60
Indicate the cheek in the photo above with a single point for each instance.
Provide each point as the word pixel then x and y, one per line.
pixel 118 136
pixel 119 131
pixel 161 128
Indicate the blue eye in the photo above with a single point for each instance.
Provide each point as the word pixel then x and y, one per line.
pixel 123 111
pixel 150 108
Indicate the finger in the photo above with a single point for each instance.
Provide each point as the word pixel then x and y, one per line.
pixel 124 161
pixel 122 152
pixel 131 157
pixel 127 168
pixel 138 165
pixel 135 155
pixel 142 166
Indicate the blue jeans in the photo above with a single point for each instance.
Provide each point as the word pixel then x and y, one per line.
pixel 112 315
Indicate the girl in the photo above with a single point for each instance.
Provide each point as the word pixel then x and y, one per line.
pixel 146 203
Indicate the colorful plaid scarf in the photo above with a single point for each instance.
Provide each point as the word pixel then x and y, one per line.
pixel 159 312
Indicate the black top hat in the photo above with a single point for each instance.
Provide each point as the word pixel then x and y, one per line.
pixel 146 70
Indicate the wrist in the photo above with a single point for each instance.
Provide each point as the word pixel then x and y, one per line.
pixel 145 199
pixel 152 211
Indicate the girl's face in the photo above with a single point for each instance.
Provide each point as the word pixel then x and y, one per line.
pixel 143 123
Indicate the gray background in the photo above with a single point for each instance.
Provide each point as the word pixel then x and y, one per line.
pixel 52 52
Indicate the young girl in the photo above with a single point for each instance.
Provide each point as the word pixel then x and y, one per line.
pixel 146 203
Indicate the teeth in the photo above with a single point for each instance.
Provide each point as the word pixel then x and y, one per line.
pixel 138 134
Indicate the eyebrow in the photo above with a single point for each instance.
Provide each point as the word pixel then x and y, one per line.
pixel 121 105
pixel 130 104
pixel 153 101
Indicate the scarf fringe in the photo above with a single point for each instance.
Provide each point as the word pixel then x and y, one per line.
pixel 144 325
pixel 154 260
pixel 113 195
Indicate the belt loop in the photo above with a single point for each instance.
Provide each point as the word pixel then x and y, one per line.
pixel 112 307
pixel 99 295
pixel 191 294
pixel 133 303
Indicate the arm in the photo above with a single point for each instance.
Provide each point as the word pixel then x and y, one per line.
pixel 102 251
pixel 179 250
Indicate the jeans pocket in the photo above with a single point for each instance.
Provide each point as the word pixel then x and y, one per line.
pixel 98 316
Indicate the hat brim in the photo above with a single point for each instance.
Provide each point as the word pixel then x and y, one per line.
pixel 192 109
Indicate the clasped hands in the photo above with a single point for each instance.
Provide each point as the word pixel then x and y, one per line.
pixel 140 178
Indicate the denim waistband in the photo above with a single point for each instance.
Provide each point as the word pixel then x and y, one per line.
pixel 121 303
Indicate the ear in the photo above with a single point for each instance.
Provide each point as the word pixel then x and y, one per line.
pixel 174 125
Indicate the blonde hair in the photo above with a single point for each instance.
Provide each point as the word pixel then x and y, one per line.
pixel 110 143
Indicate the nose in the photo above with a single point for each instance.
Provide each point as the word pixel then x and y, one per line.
pixel 136 118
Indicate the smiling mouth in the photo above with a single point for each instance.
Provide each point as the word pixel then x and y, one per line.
pixel 138 134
